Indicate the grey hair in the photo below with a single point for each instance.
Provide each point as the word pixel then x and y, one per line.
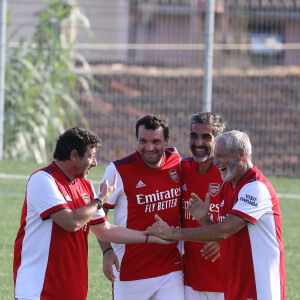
pixel 236 140
pixel 215 120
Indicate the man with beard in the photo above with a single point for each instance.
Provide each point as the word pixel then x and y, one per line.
pixel 149 182
pixel 202 274
pixel 250 224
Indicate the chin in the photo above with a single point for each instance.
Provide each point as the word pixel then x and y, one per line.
pixel 227 177
pixel 200 158
pixel 152 162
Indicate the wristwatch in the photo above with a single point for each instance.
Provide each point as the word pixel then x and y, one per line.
pixel 99 201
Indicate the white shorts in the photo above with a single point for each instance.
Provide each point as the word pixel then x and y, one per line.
pixel 190 294
pixel 169 286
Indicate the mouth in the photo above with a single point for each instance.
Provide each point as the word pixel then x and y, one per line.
pixel 222 168
pixel 199 151
pixel 150 154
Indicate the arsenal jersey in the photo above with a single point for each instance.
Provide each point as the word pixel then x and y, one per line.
pixel 50 262
pixel 199 273
pixel 141 193
pixel 253 262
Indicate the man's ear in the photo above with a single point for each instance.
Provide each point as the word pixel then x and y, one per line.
pixel 241 153
pixel 167 141
pixel 73 154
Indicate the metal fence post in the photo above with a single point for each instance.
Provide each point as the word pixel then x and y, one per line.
pixel 208 55
pixel 3 9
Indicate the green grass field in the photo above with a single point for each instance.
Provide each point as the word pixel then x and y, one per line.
pixel 11 201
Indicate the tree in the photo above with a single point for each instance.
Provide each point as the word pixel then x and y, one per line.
pixel 42 85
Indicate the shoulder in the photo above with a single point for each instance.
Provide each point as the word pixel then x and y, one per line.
pixel 125 160
pixel 187 160
pixel 254 175
pixel 171 154
pixel 255 193
pixel 187 163
pixel 171 151
pixel 254 186
pixel 49 169
pixel 171 158
pixel 40 177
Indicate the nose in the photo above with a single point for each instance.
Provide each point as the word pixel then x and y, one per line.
pixel 149 147
pixel 94 162
pixel 199 142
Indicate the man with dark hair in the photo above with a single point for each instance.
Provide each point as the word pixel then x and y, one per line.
pixel 152 121
pixel 252 250
pixel 149 182
pixel 75 139
pixel 202 273
pixel 50 254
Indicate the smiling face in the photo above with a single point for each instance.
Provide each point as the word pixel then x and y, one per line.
pixel 226 161
pixel 202 141
pixel 151 145
pixel 85 163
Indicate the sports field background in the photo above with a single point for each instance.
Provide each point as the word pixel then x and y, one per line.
pixel 13 178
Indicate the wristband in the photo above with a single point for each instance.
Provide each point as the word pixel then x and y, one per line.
pixel 99 202
pixel 147 237
pixel 110 248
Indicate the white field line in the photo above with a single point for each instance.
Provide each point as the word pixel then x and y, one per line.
pixel 25 177
pixel 15 176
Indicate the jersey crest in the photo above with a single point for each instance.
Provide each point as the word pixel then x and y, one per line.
pixel 86 198
pixel 214 189
pixel 174 175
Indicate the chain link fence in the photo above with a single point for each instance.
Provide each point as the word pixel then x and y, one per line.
pixel 148 57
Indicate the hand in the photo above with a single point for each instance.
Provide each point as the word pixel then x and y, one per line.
pixel 199 209
pixel 106 189
pixel 161 229
pixel 211 250
pixel 109 259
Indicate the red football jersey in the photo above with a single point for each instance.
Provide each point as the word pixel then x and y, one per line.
pixel 253 260
pixel 50 262
pixel 199 273
pixel 141 193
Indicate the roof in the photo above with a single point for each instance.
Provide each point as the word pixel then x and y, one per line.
pixel 267 6
pixel 263 5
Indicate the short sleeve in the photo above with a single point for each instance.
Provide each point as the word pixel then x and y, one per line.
pixel 43 195
pixel 110 171
pixel 254 200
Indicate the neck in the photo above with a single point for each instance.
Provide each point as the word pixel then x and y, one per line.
pixel 203 166
pixel 64 169
pixel 241 171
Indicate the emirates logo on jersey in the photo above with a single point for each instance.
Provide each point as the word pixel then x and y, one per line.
pixel 174 175
pixel 214 189
pixel 86 198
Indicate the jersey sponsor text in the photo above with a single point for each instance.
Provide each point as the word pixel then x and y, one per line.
pixel 159 200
